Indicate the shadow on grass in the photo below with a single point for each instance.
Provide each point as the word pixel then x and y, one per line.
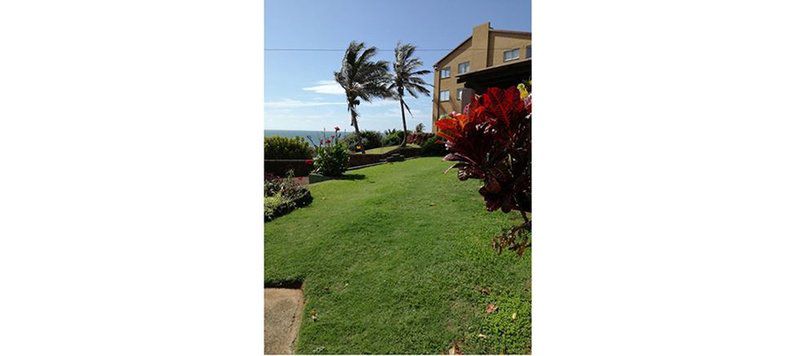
pixel 351 176
pixel 293 283
pixel 347 176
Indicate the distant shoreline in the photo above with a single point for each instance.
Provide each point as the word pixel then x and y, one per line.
pixel 315 135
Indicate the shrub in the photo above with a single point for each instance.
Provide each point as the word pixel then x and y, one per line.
pixel 392 138
pixel 394 132
pixel 491 141
pixel 282 195
pixel 279 205
pixel 287 187
pixel 271 205
pixel 369 139
pixel 349 141
pixel 432 147
pixel 277 147
pixel 332 159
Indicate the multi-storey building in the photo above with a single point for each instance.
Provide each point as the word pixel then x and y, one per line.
pixel 487 58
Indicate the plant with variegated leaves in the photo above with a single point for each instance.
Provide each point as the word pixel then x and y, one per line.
pixel 491 141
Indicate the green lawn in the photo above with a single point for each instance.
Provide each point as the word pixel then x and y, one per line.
pixel 381 150
pixel 396 258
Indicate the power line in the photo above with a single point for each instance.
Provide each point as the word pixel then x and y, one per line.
pixel 378 50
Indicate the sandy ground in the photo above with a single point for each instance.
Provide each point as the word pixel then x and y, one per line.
pixel 283 311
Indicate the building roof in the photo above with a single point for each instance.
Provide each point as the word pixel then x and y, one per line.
pixel 511 32
pixel 435 65
pixel 499 67
pixel 503 75
pixel 451 52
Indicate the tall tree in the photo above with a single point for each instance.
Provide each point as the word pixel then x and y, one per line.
pixel 407 79
pixel 362 78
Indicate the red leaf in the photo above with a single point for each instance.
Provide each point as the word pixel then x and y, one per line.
pixel 491 141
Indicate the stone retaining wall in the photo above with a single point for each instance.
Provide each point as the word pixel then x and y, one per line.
pixel 303 168
pixel 362 159
pixel 279 167
pixel 359 159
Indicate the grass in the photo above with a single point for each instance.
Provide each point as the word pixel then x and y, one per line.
pixel 398 260
pixel 385 149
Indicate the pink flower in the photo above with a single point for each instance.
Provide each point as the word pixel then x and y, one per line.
pixel 327 141
pixel 336 128
pixel 309 161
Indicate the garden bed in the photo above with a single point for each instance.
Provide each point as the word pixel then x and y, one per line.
pixel 287 206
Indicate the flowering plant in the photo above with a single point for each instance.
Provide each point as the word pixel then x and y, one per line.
pixel 332 157
pixel 491 141
pixel 326 139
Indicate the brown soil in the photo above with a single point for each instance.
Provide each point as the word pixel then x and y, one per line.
pixel 283 311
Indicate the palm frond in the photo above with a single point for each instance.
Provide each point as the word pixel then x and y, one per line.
pixel 407 108
pixel 405 77
pixel 361 77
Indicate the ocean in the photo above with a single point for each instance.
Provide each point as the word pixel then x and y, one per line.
pixel 315 135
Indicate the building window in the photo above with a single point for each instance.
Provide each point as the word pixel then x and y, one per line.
pixel 445 73
pixel 459 93
pixel 463 67
pixel 528 51
pixel 444 95
pixel 511 55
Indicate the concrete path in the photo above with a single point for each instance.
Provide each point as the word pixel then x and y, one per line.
pixel 283 311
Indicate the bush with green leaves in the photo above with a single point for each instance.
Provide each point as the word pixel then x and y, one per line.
pixel 276 147
pixel 282 195
pixel 392 138
pixel 332 159
pixel 271 205
pixel 491 142
pixel 433 147
pixel 369 140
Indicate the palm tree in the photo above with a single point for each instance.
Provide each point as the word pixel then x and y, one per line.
pixel 361 78
pixel 407 78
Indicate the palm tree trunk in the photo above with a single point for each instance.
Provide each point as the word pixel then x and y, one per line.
pixel 405 130
pixel 354 123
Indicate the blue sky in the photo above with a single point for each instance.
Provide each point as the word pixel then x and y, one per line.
pixel 299 91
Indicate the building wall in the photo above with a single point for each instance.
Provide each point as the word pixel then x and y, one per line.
pixel 503 41
pixel 479 51
pixel 461 54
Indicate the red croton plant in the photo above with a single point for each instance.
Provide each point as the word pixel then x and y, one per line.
pixel 491 141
